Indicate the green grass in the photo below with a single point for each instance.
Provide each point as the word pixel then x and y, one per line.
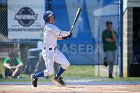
pixel 76 71
pixel 2 67
pixel 129 79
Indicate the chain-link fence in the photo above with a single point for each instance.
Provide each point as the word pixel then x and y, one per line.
pixel 26 50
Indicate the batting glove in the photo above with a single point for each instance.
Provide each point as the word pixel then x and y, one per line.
pixel 67 37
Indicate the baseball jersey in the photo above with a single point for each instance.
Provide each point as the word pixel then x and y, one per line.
pixel 51 32
pixel 108 45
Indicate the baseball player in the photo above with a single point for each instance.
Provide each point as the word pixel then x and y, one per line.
pixel 50 52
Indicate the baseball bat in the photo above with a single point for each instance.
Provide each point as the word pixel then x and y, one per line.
pixel 75 19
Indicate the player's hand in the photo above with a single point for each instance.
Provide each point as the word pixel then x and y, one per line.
pixel 14 67
pixel 10 67
pixel 67 37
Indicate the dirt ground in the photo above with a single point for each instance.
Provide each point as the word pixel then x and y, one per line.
pixel 70 89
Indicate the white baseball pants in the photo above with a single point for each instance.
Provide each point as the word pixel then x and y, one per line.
pixel 51 56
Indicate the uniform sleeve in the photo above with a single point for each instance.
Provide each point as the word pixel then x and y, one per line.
pixel 19 61
pixel 7 60
pixel 59 32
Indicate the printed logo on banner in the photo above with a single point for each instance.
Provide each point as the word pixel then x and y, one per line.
pixel 26 16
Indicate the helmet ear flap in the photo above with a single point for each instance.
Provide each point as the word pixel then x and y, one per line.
pixel 54 16
pixel 46 19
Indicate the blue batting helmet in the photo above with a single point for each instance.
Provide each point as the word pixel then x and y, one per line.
pixel 46 15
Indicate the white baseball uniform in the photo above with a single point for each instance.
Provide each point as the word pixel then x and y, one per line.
pixel 50 53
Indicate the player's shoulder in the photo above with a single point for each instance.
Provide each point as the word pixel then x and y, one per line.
pixel 8 58
pixel 51 26
pixel 104 31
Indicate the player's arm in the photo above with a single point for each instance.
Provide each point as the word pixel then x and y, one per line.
pixel 64 33
pixel 59 38
pixel 61 34
pixel 105 37
pixel 109 40
pixel 113 39
pixel 19 63
pixel 6 63
pixel 62 37
pixel 114 35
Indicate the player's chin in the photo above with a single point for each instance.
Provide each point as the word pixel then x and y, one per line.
pixel 52 22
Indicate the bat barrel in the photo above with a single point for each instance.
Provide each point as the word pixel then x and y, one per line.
pixel 76 17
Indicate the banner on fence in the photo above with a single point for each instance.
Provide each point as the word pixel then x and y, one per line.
pixel 25 19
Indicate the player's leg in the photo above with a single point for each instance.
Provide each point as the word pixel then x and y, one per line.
pixel 48 71
pixel 110 69
pixel 111 65
pixel 8 73
pixel 49 62
pixel 16 72
pixel 62 60
pixel 110 59
pixel 40 65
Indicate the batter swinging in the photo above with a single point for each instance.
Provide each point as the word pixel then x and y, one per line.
pixel 50 52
